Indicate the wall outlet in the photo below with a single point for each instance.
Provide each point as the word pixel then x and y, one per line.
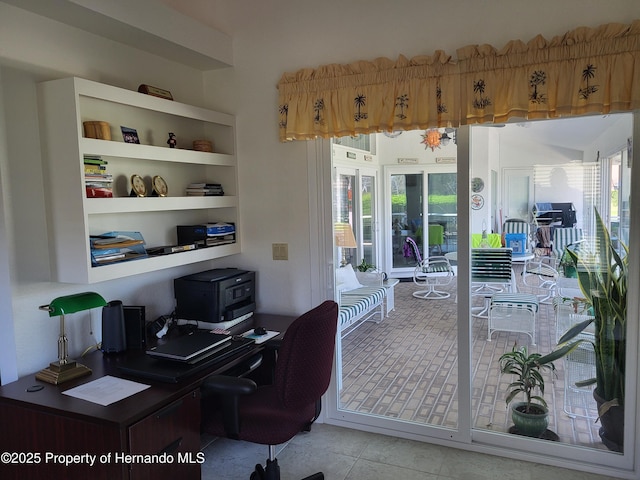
pixel 280 251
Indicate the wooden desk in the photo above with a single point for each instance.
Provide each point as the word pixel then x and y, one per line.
pixel 163 420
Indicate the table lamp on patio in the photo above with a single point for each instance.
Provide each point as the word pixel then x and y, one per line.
pixel 66 369
pixel 344 238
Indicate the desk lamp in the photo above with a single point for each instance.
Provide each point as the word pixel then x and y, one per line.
pixel 65 369
pixel 344 238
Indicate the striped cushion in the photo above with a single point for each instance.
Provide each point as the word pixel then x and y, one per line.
pixel 516 227
pixel 519 299
pixel 355 302
pixel 562 237
pixel 439 267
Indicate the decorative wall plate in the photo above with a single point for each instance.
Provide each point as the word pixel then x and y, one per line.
pixel 477 184
pixel 477 202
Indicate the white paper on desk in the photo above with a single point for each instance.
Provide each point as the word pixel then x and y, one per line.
pixel 106 390
pixel 260 338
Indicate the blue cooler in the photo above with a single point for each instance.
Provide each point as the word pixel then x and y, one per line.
pixel 517 242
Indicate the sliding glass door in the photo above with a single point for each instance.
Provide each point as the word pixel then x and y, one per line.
pixel 355 205
pixel 422 207
pixel 431 370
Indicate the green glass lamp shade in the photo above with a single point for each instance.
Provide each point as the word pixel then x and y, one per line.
pixel 65 369
pixel 75 303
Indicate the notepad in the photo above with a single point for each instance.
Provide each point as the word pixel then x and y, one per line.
pixel 260 338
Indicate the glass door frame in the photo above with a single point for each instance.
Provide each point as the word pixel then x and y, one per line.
pixel 465 436
pixel 358 228
pixel 425 170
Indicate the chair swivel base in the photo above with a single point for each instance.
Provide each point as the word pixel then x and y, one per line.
pixel 272 472
pixel 431 294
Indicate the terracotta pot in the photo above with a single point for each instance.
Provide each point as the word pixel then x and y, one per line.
pixel 612 421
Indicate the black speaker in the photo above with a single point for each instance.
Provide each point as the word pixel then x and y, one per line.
pixel 113 332
pixel 134 326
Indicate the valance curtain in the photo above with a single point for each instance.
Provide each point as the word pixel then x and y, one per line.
pixel 587 70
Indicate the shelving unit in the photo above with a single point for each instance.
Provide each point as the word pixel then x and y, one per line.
pixel 64 105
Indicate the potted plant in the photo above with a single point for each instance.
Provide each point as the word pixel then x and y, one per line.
pixel 365 267
pixel 531 417
pixel 602 276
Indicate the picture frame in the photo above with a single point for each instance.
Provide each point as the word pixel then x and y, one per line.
pixel 138 187
pixel 160 188
pixel 129 135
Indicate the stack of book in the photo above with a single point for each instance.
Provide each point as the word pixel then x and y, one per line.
pixel 116 247
pixel 204 189
pixel 98 183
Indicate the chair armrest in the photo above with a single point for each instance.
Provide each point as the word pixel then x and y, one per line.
pixel 228 389
pixel 227 386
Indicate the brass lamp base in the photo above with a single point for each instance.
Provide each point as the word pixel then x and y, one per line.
pixel 57 373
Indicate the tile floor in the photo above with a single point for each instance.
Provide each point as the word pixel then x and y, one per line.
pixel 346 454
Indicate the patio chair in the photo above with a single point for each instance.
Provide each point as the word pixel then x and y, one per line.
pixel 518 226
pixel 562 238
pixel 431 273
pixel 491 273
pixel 580 364
pixel 539 275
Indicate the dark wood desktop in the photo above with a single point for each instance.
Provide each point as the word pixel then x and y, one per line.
pixel 45 434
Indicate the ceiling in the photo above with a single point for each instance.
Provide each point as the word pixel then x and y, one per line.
pixel 575 133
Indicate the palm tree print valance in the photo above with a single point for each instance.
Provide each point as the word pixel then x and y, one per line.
pixel 587 70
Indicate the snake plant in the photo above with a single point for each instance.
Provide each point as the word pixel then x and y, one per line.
pixel 602 276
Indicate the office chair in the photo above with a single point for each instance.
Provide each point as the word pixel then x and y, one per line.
pixel 273 414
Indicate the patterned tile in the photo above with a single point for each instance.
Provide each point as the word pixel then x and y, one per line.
pixel 406 367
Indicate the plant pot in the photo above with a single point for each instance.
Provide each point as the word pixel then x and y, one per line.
pixel 612 429
pixel 530 424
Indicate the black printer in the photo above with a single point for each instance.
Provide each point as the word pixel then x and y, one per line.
pixel 215 296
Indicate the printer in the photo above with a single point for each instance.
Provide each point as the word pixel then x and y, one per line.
pixel 222 296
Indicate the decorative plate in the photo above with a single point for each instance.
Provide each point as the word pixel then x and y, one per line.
pixel 477 184
pixel 477 202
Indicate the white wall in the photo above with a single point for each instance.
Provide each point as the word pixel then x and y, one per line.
pixel 273 37
pixel 269 38
pixel 36 49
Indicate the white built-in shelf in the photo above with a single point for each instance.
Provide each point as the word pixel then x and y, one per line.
pixel 72 218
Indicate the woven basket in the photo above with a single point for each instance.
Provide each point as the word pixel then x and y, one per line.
pixel 203 145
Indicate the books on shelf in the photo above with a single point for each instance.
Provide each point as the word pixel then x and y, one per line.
pixel 113 247
pixel 168 249
pixel 97 181
pixel 204 189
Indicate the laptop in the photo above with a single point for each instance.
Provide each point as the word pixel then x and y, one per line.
pixel 170 371
pixel 190 348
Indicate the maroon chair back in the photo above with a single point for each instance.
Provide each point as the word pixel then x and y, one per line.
pixel 305 358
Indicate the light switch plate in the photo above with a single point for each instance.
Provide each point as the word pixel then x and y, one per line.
pixel 280 251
